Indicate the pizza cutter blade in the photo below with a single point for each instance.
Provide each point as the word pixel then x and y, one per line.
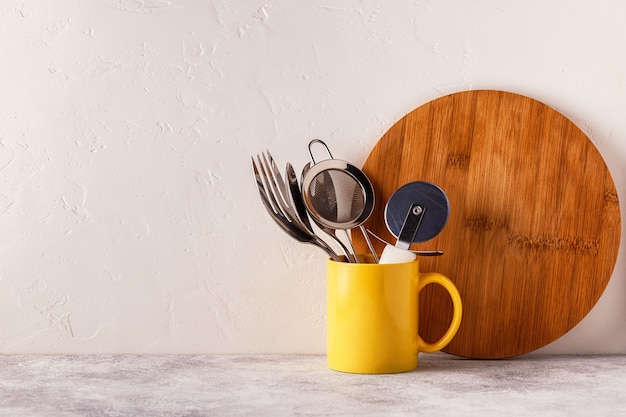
pixel 416 212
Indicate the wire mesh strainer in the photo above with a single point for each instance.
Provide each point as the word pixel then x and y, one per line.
pixel 338 195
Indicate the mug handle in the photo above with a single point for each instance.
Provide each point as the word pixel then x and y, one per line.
pixel 437 278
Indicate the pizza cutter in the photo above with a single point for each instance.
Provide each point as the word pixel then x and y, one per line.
pixel 416 212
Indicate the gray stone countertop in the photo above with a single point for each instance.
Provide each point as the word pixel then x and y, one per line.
pixel 302 385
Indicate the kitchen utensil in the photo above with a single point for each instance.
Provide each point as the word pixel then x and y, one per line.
pixel 338 195
pixel 415 212
pixel 534 229
pixel 286 222
pixel 329 231
pixel 298 203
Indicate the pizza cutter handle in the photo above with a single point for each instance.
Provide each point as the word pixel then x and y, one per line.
pixel 410 226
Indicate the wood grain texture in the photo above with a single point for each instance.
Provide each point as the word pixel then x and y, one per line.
pixel 534 226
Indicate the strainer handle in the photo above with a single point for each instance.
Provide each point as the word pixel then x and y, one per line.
pixel 323 144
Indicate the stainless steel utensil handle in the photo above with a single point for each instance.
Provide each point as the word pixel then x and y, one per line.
pixel 369 244
pixel 323 144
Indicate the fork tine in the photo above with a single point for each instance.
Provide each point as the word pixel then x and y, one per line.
pixel 260 183
pixel 274 193
pixel 269 189
pixel 278 180
pixel 277 216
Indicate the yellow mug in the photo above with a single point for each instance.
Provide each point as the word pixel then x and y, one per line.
pixel 372 316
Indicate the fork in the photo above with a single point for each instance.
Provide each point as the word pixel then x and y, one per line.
pixel 270 196
pixel 292 202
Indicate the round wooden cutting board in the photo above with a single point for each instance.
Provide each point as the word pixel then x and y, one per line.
pixel 534 226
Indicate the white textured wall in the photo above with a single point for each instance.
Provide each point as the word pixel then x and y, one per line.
pixel 129 220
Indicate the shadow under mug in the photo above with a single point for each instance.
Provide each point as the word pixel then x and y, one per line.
pixel 372 316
